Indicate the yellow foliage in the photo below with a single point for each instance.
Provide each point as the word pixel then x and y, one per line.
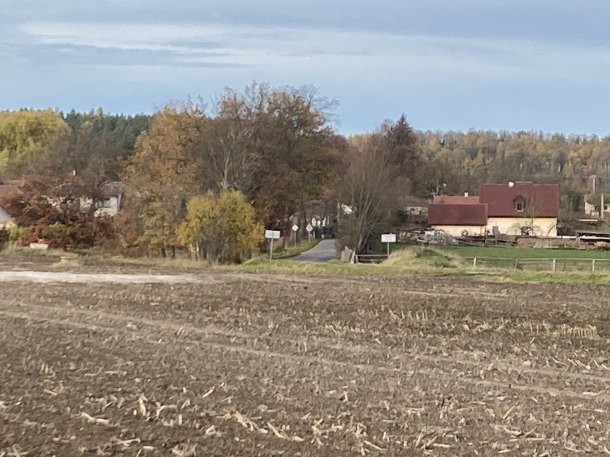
pixel 221 227
pixel 27 133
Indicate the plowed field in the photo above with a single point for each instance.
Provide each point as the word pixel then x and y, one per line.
pixel 221 364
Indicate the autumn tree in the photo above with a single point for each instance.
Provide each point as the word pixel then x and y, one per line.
pixel 61 210
pixel 163 172
pixel 25 135
pixel 221 227
pixel 286 148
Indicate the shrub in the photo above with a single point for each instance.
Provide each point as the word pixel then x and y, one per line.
pixel 221 228
pixel 15 233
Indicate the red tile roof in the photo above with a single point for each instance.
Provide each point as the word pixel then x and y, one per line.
pixel 112 188
pixel 456 199
pixel 457 214
pixel 10 187
pixel 11 182
pixel 9 190
pixel 541 200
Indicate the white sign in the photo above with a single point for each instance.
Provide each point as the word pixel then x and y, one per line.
pixel 309 228
pixel 388 238
pixel 295 227
pixel 272 234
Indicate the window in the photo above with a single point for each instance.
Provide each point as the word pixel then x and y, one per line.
pixel 519 204
pixel 106 203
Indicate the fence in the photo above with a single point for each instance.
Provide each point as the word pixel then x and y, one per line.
pixel 371 258
pixel 533 264
pixel 560 264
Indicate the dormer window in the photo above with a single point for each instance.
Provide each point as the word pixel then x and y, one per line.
pixel 519 204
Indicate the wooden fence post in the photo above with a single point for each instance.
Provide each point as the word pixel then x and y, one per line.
pixel 593 265
pixel 554 264
pixel 474 262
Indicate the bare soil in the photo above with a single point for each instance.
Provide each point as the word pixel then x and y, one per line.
pixel 225 363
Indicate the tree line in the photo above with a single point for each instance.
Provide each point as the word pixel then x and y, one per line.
pixel 268 157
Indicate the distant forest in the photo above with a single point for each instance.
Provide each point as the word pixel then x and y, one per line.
pixel 279 148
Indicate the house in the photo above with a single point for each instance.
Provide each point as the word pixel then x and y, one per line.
pixel 415 206
pixel 414 211
pixel 594 204
pixel 458 219
pixel 112 199
pixel 109 202
pixel 508 209
pixel 5 219
pixel 597 198
pixel 8 189
pixel 521 208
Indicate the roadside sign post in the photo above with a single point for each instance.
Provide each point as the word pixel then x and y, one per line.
pixel 272 235
pixel 295 227
pixel 388 238
pixel 309 229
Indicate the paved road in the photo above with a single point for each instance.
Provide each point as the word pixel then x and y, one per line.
pixel 321 252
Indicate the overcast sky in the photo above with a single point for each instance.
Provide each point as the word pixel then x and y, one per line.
pixel 446 64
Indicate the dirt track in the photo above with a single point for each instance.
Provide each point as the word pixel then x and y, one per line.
pixel 237 364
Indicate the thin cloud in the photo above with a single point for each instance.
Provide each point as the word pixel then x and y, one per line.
pixel 446 63
pixel 195 44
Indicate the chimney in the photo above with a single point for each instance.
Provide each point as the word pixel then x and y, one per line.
pixel 465 194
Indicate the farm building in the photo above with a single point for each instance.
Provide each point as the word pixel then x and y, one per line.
pixel 509 209
pixel 521 208
pixel 458 219
pixel 594 204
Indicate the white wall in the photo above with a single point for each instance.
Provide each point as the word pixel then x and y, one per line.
pixel 109 207
pixel 590 210
pixel 5 219
pixel 543 226
pixel 457 230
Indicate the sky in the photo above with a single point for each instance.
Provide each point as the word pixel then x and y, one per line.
pixel 445 64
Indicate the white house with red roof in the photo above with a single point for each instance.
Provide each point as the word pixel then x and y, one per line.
pixel 521 208
pixel 509 209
